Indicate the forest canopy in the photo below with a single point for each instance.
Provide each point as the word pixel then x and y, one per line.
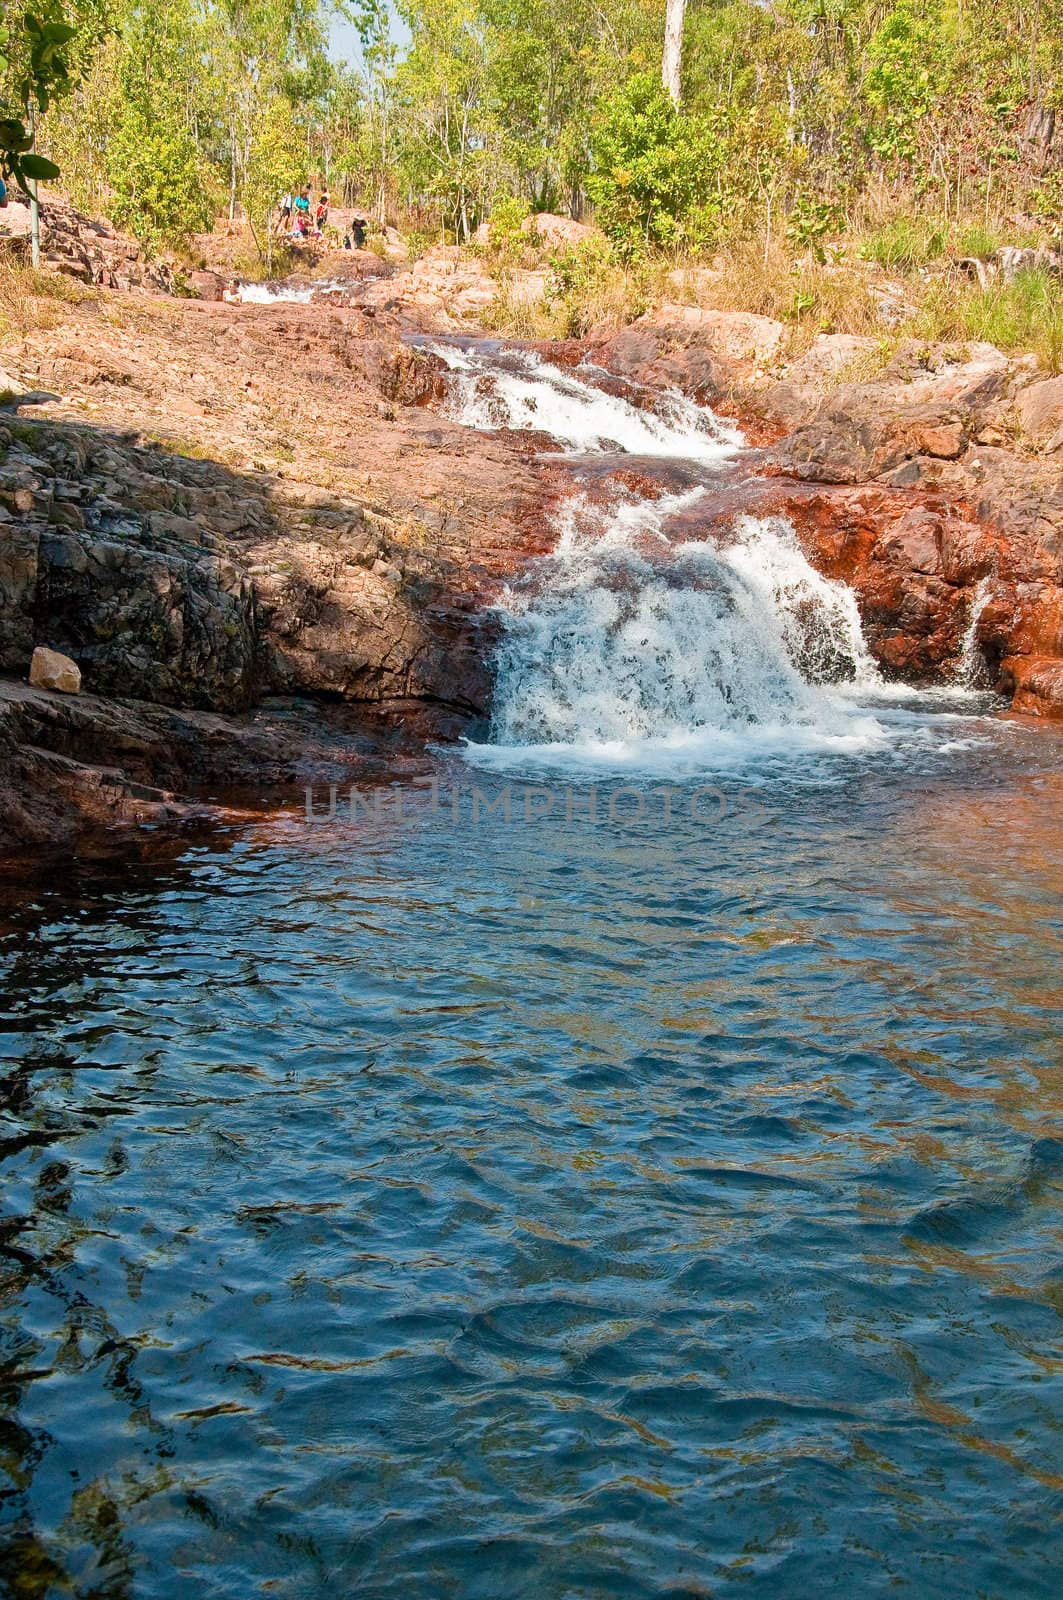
pixel 790 111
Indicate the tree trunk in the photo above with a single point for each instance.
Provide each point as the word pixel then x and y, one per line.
pixel 232 169
pixel 31 190
pixel 673 48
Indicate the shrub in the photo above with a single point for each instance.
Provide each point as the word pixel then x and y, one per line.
pixel 810 222
pixel 160 192
pixel 903 244
pixel 505 229
pixel 590 287
pixel 653 169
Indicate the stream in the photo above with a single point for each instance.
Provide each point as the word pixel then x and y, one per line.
pixel 627 1165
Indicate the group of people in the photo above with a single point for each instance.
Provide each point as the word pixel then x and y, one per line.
pixel 299 219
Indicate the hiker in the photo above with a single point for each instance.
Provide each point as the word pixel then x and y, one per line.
pixel 301 207
pixel 300 225
pixel 321 215
pixel 285 210
pixel 357 233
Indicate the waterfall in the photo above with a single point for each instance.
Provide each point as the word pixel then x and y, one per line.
pixel 518 389
pixel 622 642
pixel 637 644
pixel 971 663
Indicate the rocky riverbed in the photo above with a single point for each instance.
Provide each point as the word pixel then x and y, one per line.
pixel 272 554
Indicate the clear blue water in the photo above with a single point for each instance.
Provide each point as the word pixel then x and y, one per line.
pixel 553 1209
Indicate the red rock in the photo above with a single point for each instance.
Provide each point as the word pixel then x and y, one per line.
pixel 1040 408
pixel 1035 684
pixel 205 285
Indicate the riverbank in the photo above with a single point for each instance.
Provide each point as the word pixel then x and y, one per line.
pixel 272 552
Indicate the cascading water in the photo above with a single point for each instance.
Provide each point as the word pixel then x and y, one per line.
pixel 626 647
pixel 971 665
pixel 517 389
pixel 635 645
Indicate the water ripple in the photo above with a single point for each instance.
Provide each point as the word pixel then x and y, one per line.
pixel 572 1212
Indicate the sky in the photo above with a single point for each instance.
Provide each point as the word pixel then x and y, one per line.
pixel 343 39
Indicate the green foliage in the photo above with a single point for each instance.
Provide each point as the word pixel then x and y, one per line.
pixel 978 242
pixel 797 117
pixel 35 68
pixel 906 77
pixel 654 170
pixel 506 232
pixel 810 222
pixel 1047 199
pixel 590 285
pixel 904 244
pixel 158 181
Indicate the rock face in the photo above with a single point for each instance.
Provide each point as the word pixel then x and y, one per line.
pixel 444 288
pixel 114 563
pixel 932 485
pixel 1039 409
pixel 948 523
pixel 222 505
pixel 559 232
pixel 286 519
pixel 86 248
pixel 183 585
pixel 49 669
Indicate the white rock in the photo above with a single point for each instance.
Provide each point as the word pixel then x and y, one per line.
pixel 49 669
pixel 10 386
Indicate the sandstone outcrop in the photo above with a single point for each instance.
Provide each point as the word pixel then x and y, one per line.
pixel 285 518
pixel 931 485
pixel 268 552
pixel 50 669
pixel 87 248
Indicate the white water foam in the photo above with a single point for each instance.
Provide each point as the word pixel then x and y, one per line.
pixel 971 665
pixel 518 389
pixel 266 294
pixel 623 655
pixel 263 294
pixel 626 651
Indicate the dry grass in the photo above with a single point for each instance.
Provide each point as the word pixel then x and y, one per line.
pixel 893 276
pixel 31 300
pixel 1019 317
pixel 510 315
pixel 810 296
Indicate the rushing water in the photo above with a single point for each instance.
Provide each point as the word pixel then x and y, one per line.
pixel 632 1170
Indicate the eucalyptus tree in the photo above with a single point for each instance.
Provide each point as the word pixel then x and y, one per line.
pixel 672 59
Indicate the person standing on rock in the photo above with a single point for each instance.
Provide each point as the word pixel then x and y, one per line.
pixel 302 208
pixel 321 215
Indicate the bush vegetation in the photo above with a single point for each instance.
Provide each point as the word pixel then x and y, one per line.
pixel 815 142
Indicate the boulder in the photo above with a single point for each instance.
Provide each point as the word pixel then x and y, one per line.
pixel 205 286
pixel 50 669
pixel 443 288
pixel 1039 408
pixel 558 231
pixel 739 336
pixel 11 388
